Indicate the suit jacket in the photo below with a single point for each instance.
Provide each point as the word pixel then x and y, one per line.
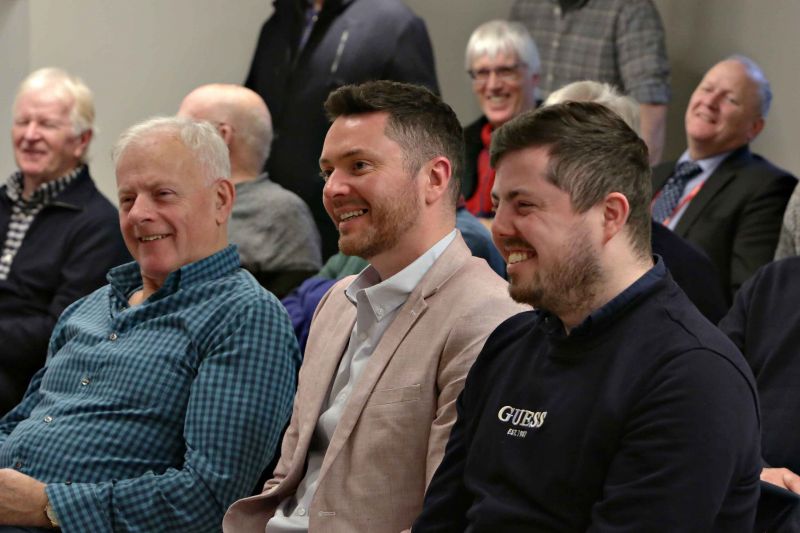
pixel 692 270
pixel 736 217
pixel 394 428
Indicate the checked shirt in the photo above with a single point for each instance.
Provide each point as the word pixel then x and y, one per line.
pixel 156 417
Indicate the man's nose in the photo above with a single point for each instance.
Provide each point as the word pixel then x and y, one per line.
pixel 335 185
pixel 31 130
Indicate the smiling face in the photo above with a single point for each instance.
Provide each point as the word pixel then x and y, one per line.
pixel 551 250
pixel 723 112
pixel 45 145
pixel 170 215
pixel 502 97
pixel 368 192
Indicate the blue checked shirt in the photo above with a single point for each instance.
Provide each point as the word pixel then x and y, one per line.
pixel 156 417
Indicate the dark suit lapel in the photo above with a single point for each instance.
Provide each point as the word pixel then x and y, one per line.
pixel 715 183
pixel 447 264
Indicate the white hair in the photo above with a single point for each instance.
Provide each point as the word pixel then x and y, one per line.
pixel 70 89
pixel 502 36
pixel 602 93
pixel 200 137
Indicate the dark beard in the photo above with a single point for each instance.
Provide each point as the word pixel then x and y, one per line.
pixel 571 286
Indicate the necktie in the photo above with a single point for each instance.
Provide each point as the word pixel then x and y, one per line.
pixel 672 191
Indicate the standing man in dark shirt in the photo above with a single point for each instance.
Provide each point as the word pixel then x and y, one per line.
pixel 308 48
pixel 59 233
pixel 615 405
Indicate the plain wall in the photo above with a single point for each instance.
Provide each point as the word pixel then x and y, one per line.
pixel 141 57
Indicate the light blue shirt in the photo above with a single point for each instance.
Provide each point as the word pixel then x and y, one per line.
pixel 709 165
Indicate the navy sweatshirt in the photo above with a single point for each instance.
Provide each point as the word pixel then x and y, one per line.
pixel 643 418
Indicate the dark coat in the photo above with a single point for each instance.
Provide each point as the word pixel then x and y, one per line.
pixel 352 41
pixel 66 253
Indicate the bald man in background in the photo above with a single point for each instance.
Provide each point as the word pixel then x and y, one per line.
pixel 273 228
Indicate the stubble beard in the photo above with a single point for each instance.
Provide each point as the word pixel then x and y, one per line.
pixel 390 220
pixel 569 286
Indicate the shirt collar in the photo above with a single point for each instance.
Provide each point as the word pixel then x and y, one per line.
pixel 645 284
pixel 127 278
pixel 44 193
pixel 709 164
pixel 391 293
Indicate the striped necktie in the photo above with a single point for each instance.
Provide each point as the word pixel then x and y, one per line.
pixel 672 190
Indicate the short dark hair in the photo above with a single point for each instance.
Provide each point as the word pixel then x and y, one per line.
pixel 419 121
pixel 593 152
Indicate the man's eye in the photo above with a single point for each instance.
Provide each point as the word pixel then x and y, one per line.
pixel 325 173
pixel 504 71
pixel 360 166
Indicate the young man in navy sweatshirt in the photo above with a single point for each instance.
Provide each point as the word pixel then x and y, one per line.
pixel 615 405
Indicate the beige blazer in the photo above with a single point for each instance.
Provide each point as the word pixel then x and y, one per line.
pixel 395 425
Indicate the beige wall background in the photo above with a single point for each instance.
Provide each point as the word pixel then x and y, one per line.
pixel 141 57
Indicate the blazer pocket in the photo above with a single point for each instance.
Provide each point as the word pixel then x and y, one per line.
pixel 400 394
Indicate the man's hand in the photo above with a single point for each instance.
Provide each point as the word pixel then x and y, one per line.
pixel 22 500
pixel 782 477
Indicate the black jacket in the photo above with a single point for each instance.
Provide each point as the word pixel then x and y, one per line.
pixel 352 41
pixel 68 249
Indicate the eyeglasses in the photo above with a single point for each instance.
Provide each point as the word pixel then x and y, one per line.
pixel 504 72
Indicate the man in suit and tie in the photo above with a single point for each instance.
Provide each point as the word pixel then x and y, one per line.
pixel 720 196
pixel 388 349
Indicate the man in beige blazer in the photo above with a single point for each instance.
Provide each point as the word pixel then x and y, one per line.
pixel 388 349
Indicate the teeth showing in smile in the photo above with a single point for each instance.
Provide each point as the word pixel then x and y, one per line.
pixel 351 214
pixel 516 257
pixel 149 238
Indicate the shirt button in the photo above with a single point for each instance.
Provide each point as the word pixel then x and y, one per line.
pixel 85 381
pixel 112 337
pixel 301 511
pixel 362 336
pixel 18 465
pixel 48 419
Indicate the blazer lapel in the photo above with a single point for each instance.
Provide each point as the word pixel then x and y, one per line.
pixel 715 183
pixel 319 376
pixel 447 264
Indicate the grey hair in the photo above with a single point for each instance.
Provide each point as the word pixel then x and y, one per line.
pixel 602 93
pixel 200 137
pixel 755 73
pixel 67 87
pixel 502 36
